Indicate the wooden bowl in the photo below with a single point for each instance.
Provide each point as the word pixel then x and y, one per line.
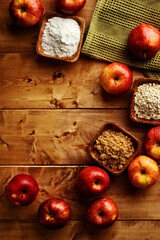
pixel 39 48
pixel 135 85
pixel 114 126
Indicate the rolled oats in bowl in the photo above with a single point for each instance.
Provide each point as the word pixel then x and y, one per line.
pixel 147 101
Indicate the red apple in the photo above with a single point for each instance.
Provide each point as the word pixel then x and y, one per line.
pixel 70 6
pixel 152 143
pixel 103 212
pixel 22 189
pixel 144 41
pixel 26 13
pixel 143 172
pixel 116 78
pixel 54 213
pixel 93 181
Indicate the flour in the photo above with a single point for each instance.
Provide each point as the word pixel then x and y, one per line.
pixel 61 37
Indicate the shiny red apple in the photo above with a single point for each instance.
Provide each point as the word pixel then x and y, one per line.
pixel 22 189
pixel 144 41
pixel 26 13
pixel 152 143
pixel 70 6
pixel 93 181
pixel 54 213
pixel 143 172
pixel 103 212
pixel 116 78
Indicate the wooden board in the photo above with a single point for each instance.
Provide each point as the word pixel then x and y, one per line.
pixel 44 83
pixel 49 113
pixel 126 230
pixel 133 204
pixel 56 136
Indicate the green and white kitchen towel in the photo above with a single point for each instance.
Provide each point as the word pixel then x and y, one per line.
pixel 110 26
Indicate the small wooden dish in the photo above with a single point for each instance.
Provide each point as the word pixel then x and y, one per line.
pixel 114 126
pixel 135 85
pixel 39 48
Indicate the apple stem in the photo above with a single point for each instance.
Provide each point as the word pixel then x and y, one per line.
pixel 23 9
pixel 97 181
pixel 144 53
pixel 100 213
pixel 143 171
pixel 116 79
pixel 24 191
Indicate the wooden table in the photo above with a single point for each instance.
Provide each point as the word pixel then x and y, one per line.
pixel 50 111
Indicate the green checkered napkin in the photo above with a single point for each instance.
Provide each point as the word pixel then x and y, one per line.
pixel 110 26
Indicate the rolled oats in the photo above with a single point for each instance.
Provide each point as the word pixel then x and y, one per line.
pixel 147 101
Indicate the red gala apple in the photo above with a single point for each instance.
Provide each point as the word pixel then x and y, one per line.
pixel 93 181
pixel 144 41
pixel 26 13
pixel 70 6
pixel 54 213
pixel 22 189
pixel 152 143
pixel 116 78
pixel 103 212
pixel 143 172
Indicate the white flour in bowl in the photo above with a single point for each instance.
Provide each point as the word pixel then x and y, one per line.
pixel 61 37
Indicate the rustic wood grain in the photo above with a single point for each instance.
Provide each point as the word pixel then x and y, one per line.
pixel 31 81
pixel 79 230
pixel 50 111
pixel 133 204
pixel 56 136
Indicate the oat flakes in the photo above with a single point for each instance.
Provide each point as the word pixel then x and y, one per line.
pixel 147 101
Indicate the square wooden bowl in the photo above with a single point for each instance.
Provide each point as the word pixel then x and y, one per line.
pixel 39 48
pixel 114 126
pixel 135 85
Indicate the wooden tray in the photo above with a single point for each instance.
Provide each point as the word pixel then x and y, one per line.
pixel 39 48
pixel 135 85
pixel 114 126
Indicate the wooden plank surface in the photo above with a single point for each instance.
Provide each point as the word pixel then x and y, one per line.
pixel 50 111
pixel 133 204
pixel 30 81
pixel 56 136
pixel 79 230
